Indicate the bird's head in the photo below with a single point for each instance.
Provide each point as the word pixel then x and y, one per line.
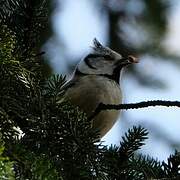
pixel 104 61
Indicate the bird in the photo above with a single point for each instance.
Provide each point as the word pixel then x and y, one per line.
pixel 95 80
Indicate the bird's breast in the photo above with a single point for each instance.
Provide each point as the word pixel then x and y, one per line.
pixel 88 91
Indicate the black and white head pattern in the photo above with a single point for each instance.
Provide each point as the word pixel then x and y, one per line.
pixel 103 61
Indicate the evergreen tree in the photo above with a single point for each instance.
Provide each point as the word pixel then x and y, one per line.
pixel 41 135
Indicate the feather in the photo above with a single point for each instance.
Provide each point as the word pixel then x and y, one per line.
pixel 97 44
pixel 99 48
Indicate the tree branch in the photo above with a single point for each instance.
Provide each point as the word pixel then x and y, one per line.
pixel 142 104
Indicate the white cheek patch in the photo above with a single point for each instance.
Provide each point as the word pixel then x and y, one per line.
pixel 84 68
pixel 100 68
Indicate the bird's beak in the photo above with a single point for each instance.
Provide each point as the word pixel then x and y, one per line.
pixel 128 60
pixel 131 59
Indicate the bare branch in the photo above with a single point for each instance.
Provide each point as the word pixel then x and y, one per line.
pixel 142 104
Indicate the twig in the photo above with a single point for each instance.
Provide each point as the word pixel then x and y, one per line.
pixel 39 54
pixel 142 104
pixel 172 178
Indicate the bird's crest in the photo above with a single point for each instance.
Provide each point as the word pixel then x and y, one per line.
pixel 99 48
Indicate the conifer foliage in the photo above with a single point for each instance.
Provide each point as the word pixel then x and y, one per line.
pixel 41 135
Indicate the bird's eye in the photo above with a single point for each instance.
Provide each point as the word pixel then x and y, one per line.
pixel 108 57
